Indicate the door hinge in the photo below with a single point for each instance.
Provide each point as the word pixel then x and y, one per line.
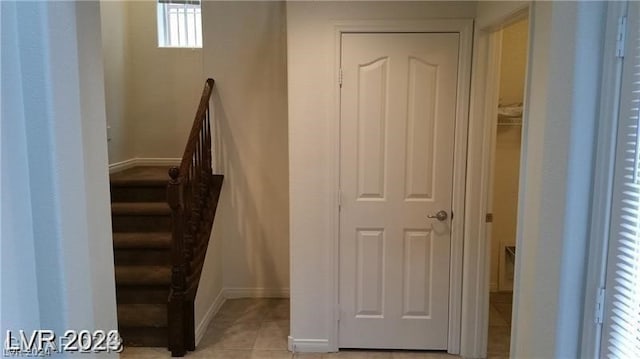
pixel 599 314
pixel 340 76
pixel 488 218
pixel 339 199
pixel 620 37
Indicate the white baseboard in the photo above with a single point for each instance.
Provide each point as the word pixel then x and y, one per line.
pixel 201 328
pixel 309 345
pixel 132 162
pixel 158 161
pixel 230 293
pixel 122 165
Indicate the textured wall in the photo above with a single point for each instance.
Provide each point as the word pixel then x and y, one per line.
pixel 245 52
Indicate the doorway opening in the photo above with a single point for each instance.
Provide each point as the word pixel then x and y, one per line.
pixel 510 53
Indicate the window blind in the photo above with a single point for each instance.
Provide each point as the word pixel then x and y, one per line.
pixel 621 324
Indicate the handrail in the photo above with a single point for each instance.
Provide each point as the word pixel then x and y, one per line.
pixel 203 107
pixel 192 195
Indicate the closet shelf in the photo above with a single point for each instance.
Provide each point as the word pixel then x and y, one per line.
pixel 509 121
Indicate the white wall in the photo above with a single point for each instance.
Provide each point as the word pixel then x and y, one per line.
pixel 164 88
pixel 245 52
pixel 209 296
pixel 152 93
pixel 89 176
pixel 311 58
pixel 18 252
pixel 514 62
pixel 62 274
pixel 557 169
pixel 115 50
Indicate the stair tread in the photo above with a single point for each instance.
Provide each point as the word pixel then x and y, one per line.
pixel 141 176
pixel 140 208
pixel 142 275
pixel 142 315
pixel 155 240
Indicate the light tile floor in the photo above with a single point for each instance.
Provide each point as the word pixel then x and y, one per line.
pixel 500 305
pixel 258 329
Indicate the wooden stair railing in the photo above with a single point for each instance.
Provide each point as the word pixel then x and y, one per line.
pixel 192 194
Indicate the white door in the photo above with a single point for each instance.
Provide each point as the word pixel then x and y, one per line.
pixel 398 103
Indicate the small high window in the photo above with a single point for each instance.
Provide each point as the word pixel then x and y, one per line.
pixel 179 23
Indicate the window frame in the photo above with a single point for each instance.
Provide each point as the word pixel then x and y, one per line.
pixel 165 29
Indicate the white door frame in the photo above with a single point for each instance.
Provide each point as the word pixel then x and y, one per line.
pixel 492 95
pixel 603 182
pixel 464 27
pixel 483 118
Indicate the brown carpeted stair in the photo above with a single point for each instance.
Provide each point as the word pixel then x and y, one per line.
pixel 141 221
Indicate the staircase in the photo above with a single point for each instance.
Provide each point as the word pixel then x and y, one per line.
pixel 141 220
pixel 162 219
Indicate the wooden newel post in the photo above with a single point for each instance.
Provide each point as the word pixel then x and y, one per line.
pixel 177 295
